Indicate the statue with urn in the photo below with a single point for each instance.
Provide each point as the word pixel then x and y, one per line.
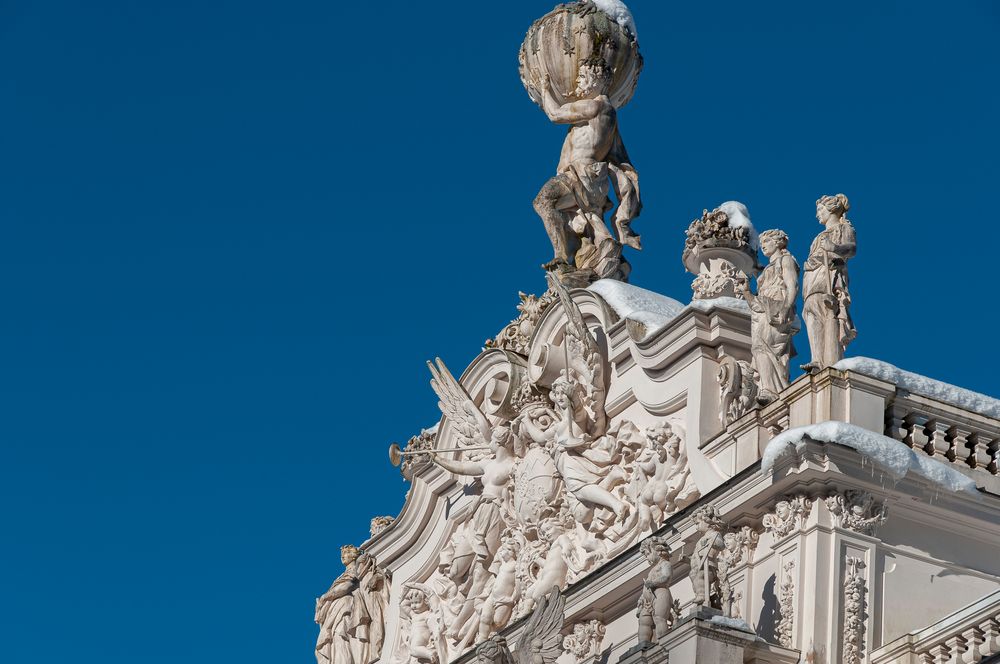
pixel 581 65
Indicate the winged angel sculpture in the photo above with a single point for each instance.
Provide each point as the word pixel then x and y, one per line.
pixel 558 490
pixel 541 640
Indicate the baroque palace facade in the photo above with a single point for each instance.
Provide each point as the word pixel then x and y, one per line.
pixel 622 477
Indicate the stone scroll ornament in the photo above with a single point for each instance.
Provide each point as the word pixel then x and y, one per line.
pixel 581 63
pixel 826 300
pixel 558 490
pixel 351 615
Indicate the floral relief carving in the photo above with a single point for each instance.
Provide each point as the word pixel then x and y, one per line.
pixel 855 604
pixel 786 605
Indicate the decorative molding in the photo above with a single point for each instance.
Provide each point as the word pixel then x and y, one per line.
pixel 857 510
pixel 790 514
pixel 855 604
pixel 584 643
pixel 786 605
pixel 380 523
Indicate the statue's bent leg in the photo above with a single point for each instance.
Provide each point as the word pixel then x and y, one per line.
pixel 550 202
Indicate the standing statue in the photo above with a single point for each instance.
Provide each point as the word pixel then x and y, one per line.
pixel 825 296
pixel 704 571
pixel 580 65
pixel 656 604
pixel 772 315
pixel 351 614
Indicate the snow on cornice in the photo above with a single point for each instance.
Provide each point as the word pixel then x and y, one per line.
pixel 652 309
pixel 889 455
pixel 922 385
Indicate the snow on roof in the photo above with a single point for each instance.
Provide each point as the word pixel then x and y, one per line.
pixel 928 387
pixel 739 217
pixel 617 10
pixel 652 309
pixel 732 623
pixel 891 456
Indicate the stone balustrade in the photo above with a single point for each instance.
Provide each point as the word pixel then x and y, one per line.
pixel 943 431
pixel 969 635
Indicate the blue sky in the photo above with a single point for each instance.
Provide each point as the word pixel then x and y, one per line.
pixel 232 233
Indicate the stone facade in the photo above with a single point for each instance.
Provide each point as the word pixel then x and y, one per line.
pixel 620 477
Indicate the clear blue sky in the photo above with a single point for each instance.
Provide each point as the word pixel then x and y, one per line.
pixel 232 232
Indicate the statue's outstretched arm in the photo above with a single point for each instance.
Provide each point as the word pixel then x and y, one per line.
pixel 467 468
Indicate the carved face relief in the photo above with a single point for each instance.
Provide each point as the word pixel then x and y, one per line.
pixel 417 601
pixel 592 81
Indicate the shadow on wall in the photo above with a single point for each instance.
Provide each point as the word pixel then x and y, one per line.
pixel 768 619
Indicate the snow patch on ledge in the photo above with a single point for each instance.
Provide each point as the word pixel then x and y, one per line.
pixel 732 623
pixel 928 387
pixel 889 455
pixel 617 10
pixel 651 309
pixel 644 306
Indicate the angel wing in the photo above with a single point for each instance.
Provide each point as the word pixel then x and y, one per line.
pixel 584 356
pixel 541 642
pixel 456 404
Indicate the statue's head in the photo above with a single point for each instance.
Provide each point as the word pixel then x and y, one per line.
pixel 509 550
pixel 492 651
pixel 707 518
pixel 594 78
pixel 416 600
pixel 564 392
pixel 832 208
pixel 783 509
pixel 654 549
pixel 500 437
pixel 773 241
pixel 348 554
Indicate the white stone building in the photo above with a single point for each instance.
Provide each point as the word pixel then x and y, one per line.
pixel 859 505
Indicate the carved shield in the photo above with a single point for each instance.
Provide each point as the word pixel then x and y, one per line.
pixel 537 485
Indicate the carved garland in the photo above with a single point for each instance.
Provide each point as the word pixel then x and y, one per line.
pixel 855 604
pixel 786 604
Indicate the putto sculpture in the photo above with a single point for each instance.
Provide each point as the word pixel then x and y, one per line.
pixel 825 296
pixel 772 315
pixel 656 610
pixel 580 65
pixel 704 571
